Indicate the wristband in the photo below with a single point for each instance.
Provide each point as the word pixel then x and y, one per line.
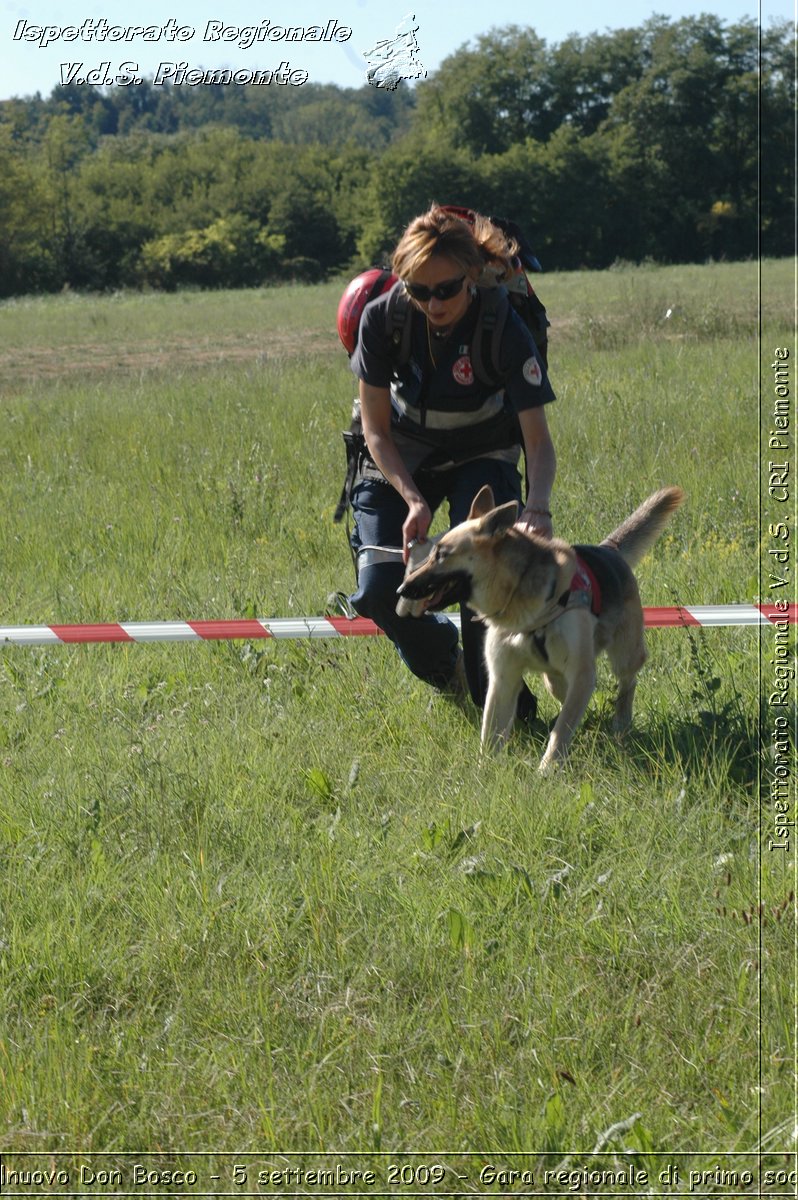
pixel 538 512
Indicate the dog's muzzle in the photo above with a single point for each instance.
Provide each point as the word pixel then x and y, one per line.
pixel 437 592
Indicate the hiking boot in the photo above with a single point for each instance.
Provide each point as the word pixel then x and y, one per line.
pixel 456 686
pixel 338 603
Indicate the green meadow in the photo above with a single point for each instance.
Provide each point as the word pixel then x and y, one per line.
pixel 262 896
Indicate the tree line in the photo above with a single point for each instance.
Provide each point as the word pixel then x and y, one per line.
pixel 672 141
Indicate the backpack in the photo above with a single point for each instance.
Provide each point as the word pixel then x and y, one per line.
pixel 520 293
pixel 516 292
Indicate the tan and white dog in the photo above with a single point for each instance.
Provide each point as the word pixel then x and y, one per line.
pixel 550 608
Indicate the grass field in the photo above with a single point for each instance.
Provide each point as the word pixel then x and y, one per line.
pixel 260 897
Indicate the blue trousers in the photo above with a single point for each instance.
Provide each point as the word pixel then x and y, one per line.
pixel 428 644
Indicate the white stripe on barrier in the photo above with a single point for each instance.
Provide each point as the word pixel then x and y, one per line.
pixel 30 635
pixel 301 627
pixel 158 631
pixel 727 614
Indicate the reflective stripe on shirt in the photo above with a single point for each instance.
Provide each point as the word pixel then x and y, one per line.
pixel 436 418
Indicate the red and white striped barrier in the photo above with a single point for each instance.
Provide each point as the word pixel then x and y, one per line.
pixel 331 627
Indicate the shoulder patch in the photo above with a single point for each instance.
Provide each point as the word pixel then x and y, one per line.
pixel 532 372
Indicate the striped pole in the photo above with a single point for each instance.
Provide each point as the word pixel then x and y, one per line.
pixel 715 615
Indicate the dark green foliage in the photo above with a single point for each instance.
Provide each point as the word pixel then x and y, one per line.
pixel 628 145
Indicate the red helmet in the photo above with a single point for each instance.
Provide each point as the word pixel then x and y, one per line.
pixel 364 287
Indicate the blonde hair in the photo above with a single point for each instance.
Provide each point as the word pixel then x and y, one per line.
pixel 481 250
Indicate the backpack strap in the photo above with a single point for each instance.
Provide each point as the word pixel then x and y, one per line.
pixel 494 304
pixel 398 326
pixel 533 312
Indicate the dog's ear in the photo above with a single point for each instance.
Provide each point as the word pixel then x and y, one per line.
pixel 482 503
pixel 499 520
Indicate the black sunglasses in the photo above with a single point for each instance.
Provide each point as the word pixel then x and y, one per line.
pixel 441 291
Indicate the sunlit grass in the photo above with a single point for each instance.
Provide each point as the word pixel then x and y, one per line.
pixel 265 893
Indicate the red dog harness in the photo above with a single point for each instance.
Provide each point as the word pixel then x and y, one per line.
pixel 584 589
pixel 584 582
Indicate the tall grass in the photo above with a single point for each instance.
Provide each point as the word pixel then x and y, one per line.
pixel 261 896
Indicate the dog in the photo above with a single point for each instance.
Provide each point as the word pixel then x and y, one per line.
pixel 549 607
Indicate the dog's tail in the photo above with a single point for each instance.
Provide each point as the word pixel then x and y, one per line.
pixel 638 533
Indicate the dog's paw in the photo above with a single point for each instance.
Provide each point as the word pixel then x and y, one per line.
pixel 554 758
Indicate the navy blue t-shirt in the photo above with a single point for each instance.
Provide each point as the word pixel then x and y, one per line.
pixel 437 403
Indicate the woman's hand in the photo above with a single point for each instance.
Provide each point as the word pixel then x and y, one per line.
pixel 416 524
pixel 535 520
